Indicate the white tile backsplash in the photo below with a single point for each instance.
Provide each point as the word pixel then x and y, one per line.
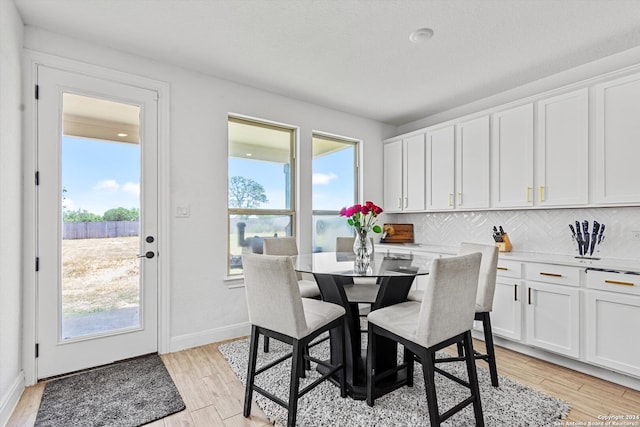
pixel 544 231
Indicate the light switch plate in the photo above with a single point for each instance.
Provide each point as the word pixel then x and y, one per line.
pixel 183 211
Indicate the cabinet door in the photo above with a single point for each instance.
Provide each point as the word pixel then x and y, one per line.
pixel 440 168
pixel 613 322
pixel 512 149
pixel 552 318
pixel 506 317
pixel 393 176
pixel 414 173
pixel 472 164
pixel 617 147
pixel 562 150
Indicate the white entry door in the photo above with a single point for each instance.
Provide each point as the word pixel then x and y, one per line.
pixel 97 279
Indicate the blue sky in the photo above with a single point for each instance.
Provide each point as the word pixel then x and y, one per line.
pixel 100 175
pixel 332 180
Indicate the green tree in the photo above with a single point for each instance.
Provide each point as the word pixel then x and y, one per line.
pixel 245 193
pixel 122 214
pixel 80 216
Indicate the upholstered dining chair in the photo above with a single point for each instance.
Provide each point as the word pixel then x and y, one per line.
pixel 277 310
pixel 364 289
pixel 288 246
pixel 484 303
pixel 444 317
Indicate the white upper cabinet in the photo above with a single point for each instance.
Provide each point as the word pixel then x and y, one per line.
pixel 617 146
pixel 441 168
pixel 473 164
pixel 512 146
pixel 562 150
pixel 392 176
pixel 404 175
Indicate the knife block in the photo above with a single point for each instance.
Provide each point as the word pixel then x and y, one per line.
pixel 505 245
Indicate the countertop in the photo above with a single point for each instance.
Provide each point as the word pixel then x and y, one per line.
pixel 614 264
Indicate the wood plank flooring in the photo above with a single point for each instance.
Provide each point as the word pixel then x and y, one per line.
pixel 214 395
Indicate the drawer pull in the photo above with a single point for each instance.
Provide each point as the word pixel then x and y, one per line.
pixel 515 292
pixel 551 274
pixel 529 296
pixel 502 268
pixel 617 282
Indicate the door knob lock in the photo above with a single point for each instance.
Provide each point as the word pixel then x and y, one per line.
pixel 149 255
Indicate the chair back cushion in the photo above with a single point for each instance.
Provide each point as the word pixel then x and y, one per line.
pixel 281 246
pixel 487 276
pixel 345 244
pixel 273 295
pixel 448 306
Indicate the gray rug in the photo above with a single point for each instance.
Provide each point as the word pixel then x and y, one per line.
pixel 126 394
pixel 511 404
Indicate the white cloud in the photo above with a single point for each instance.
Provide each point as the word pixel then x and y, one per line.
pixel 323 178
pixel 132 188
pixel 106 185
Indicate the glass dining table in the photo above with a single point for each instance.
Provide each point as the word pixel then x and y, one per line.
pixel 394 273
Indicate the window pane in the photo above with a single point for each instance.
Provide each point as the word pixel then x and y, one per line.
pixel 246 233
pixel 334 181
pixel 326 229
pixel 259 166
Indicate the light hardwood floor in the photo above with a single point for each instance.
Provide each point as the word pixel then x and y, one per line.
pixel 213 394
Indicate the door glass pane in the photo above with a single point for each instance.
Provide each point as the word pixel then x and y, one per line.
pixel 100 185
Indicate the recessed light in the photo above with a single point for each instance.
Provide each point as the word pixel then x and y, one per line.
pixel 421 35
pixel 122 134
pixel 249 154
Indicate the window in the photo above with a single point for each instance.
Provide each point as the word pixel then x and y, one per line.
pixel 260 186
pixel 335 184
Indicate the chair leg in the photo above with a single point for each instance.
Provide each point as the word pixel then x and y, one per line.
pixel 343 374
pixel 473 378
pixel 488 341
pixel 251 370
pixel 430 386
pixel 371 362
pixel 409 359
pixel 294 383
pixel 265 345
pixel 460 349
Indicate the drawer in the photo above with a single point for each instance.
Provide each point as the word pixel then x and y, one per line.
pixel 614 282
pixel 507 268
pixel 550 273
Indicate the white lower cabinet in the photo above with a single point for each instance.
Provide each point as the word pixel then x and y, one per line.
pixel 506 317
pixel 613 321
pixel 553 318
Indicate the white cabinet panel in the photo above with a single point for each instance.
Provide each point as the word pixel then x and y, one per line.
pixel 473 164
pixel 562 150
pixel 506 317
pixel 414 173
pixel 512 151
pixel 617 147
pixel 393 176
pixel 440 168
pixel 613 322
pixel 552 318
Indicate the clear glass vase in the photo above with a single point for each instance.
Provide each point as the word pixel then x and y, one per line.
pixel 363 248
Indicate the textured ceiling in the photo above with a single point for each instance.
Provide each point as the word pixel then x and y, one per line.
pixel 355 55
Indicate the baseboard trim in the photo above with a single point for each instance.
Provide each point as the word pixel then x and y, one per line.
pixel 10 399
pixel 183 342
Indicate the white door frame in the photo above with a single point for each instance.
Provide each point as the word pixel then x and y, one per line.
pixel 31 60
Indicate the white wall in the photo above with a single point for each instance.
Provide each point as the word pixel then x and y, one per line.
pixel 11 377
pixel 203 306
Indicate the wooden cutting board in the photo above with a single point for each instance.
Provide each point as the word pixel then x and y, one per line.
pixel 397 233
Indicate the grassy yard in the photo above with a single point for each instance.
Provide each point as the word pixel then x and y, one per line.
pixel 100 274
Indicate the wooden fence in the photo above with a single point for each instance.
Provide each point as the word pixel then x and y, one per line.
pixel 100 229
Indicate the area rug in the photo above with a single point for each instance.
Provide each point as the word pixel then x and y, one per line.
pixel 511 404
pixel 127 394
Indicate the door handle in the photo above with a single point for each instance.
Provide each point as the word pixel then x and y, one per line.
pixel 149 255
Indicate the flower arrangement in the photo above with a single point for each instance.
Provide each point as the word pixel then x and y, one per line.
pixel 363 217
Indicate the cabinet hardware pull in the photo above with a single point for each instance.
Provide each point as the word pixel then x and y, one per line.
pixel 502 268
pixel 551 274
pixel 541 192
pixel 406 202
pixel 400 202
pixel 460 199
pixel 529 297
pixel 528 194
pixel 450 199
pixel 515 292
pixel 616 282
